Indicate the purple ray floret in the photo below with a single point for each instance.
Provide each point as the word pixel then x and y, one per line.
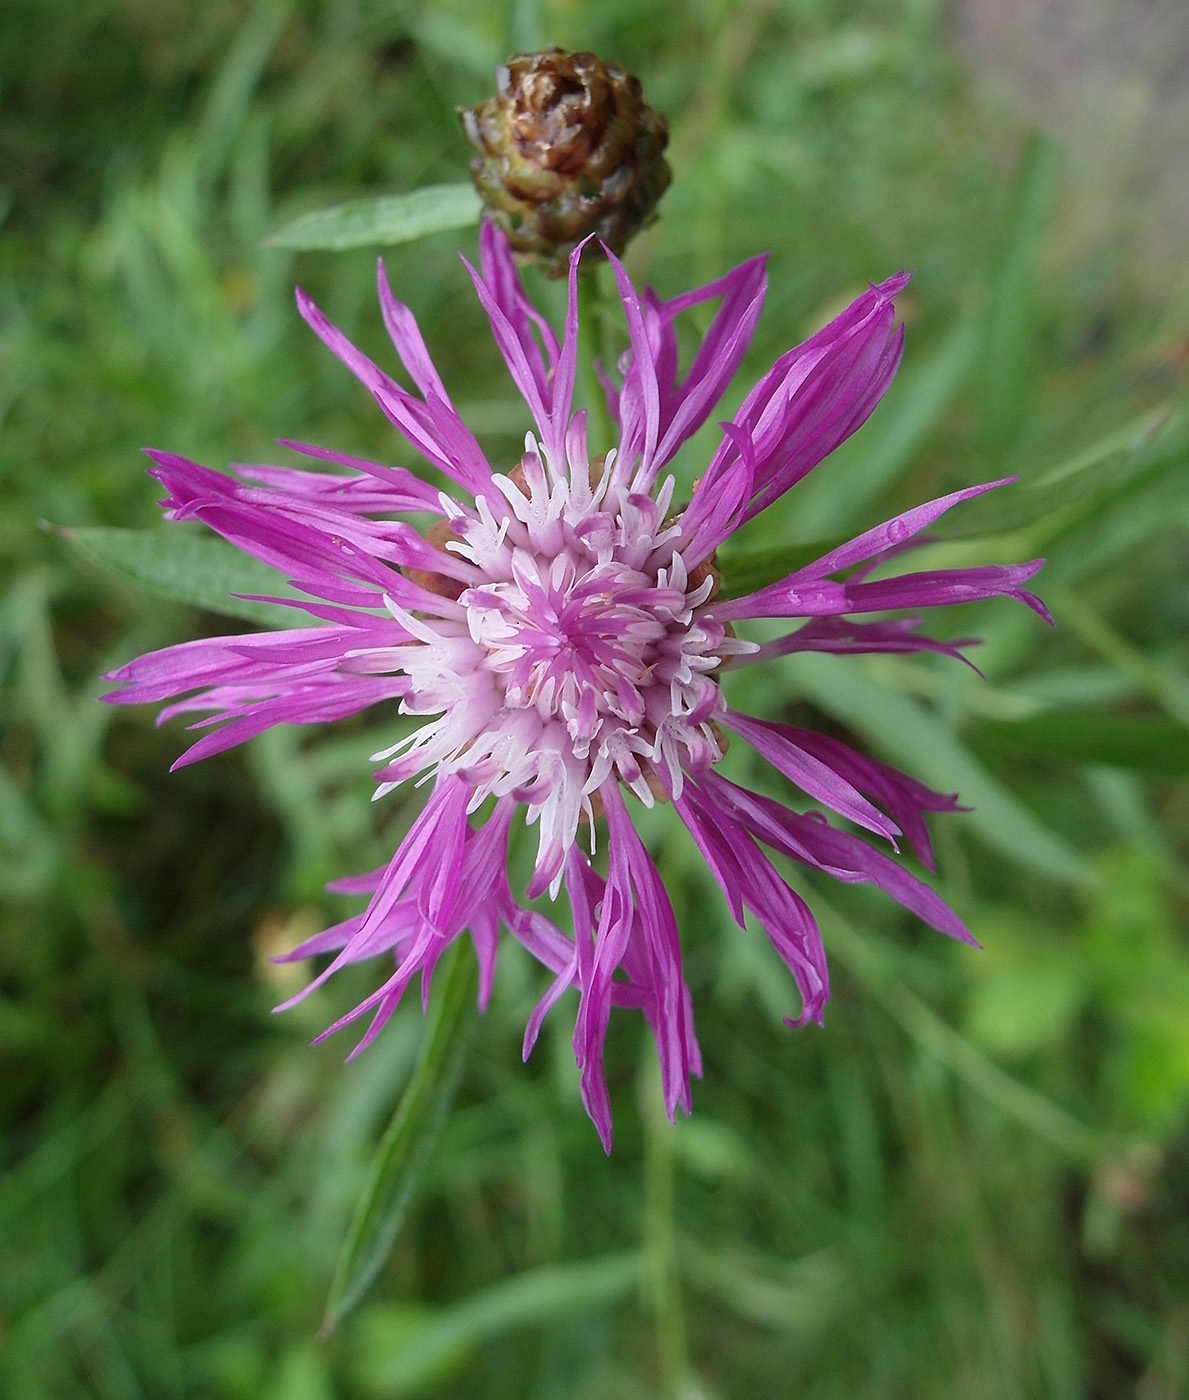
pixel 558 636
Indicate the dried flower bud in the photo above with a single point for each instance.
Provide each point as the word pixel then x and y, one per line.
pixel 567 148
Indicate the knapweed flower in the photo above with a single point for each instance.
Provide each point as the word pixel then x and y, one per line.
pixel 558 637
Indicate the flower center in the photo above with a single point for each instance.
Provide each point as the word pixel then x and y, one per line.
pixel 582 655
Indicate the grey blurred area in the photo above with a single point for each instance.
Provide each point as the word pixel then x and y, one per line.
pixel 1110 78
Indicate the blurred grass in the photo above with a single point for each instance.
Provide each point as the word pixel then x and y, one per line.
pixel 973 1180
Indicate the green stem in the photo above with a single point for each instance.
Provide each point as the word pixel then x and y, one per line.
pixel 660 1245
pixel 600 430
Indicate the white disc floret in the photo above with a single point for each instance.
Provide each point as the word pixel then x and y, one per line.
pixel 583 656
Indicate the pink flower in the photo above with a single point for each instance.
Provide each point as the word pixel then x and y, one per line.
pixel 559 636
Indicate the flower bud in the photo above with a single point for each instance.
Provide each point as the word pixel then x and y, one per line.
pixel 567 148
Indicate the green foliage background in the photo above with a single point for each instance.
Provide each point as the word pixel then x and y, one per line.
pixel 974 1180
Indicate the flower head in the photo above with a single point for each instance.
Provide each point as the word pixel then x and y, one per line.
pixel 559 635
pixel 567 148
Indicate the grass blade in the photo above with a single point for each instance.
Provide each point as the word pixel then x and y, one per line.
pixel 939 1039
pixel 399 1350
pixel 1005 372
pixel 909 734
pixel 1080 491
pixel 1142 743
pixel 236 83
pixel 747 571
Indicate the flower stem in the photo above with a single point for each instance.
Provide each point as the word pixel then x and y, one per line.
pixel 660 1246
pixel 600 430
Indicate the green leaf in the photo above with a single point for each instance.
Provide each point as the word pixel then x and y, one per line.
pixel 410 1137
pixel 1005 369
pixel 1077 491
pixel 1146 744
pixel 382 222
pixel 185 568
pixel 789 1295
pixel 912 735
pixel 750 570
pixel 397 1349
pixel 237 80
pixel 870 965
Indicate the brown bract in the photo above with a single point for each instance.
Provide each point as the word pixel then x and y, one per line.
pixel 567 147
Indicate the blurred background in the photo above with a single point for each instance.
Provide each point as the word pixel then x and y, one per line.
pixel 975 1179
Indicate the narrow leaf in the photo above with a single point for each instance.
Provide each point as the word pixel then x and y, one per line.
pixel 871 968
pixel 1004 372
pixel 1142 743
pixel 237 80
pixel 185 568
pixel 910 734
pixel 1084 488
pixel 380 223
pixel 397 1350
pixel 748 571
pixel 410 1137
pixel 787 1295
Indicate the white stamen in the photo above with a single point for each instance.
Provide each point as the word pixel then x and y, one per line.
pixel 582 654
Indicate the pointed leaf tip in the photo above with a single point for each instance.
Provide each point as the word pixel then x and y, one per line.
pixel 185 568
pixel 381 222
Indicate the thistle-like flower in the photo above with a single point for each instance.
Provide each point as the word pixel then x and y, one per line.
pixel 567 148
pixel 558 639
